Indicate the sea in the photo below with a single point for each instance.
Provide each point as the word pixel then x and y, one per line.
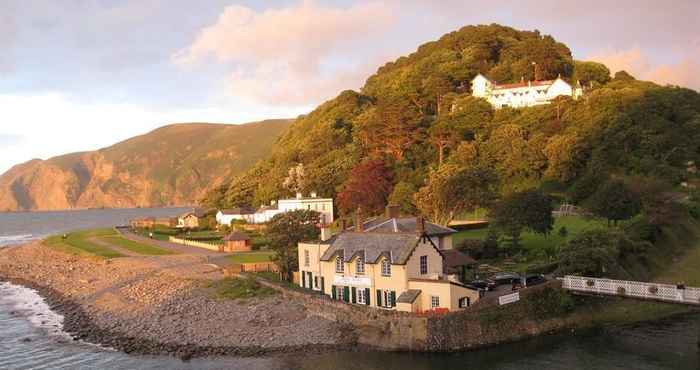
pixel 31 335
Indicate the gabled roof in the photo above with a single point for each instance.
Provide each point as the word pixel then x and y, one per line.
pixel 397 247
pixel 236 236
pixel 238 211
pixel 455 258
pixel 404 225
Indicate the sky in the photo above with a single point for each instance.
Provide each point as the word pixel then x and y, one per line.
pixel 80 75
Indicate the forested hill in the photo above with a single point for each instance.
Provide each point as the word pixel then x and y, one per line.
pixel 173 165
pixel 384 143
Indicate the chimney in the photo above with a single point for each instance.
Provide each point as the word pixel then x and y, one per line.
pixel 358 221
pixel 313 194
pixel 299 196
pixel 392 211
pixel 420 226
pixel 325 233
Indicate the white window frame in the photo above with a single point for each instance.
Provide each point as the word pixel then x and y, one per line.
pixel 386 298
pixel 307 259
pixel 339 268
pixel 386 267
pixel 360 266
pixel 423 265
pixel 361 295
pixel 434 301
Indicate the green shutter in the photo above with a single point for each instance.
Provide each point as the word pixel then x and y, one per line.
pixel 333 293
pixel 367 296
pixel 379 297
pixel 346 294
pixel 303 279
pixel 323 285
pixel 354 295
pixel 311 280
pixel 393 298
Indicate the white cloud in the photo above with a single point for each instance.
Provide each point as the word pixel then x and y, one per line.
pixel 295 55
pixel 683 72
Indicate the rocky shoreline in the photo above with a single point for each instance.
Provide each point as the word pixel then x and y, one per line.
pixel 86 320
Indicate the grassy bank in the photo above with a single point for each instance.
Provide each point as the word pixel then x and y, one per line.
pixel 96 242
pixel 237 288
pixel 251 257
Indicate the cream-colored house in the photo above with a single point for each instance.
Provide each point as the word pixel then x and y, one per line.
pixel 524 93
pixel 399 270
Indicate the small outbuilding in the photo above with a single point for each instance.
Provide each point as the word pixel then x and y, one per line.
pixel 236 242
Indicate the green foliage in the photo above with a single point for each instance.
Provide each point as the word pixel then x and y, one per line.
pixel 452 190
pixel 285 231
pixel 251 257
pixel 593 253
pixel 614 201
pixel 530 209
pixel 591 73
pixel 549 302
pixel 402 195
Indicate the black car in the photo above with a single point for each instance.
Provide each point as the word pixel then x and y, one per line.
pixel 482 284
pixel 505 278
pixel 530 280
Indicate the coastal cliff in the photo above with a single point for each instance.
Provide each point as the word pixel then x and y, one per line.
pixel 173 165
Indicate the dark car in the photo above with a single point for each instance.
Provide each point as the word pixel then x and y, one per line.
pixel 505 278
pixel 530 280
pixel 482 284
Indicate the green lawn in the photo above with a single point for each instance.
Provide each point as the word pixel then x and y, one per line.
pixel 251 257
pixel 77 243
pixel 136 247
pixel 234 288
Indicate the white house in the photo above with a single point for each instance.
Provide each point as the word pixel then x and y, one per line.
pixel 324 206
pixel 225 216
pixel 524 93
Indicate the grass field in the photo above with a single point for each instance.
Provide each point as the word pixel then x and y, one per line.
pixel 136 247
pixel 251 257
pixel 234 288
pixel 81 243
pixel 77 243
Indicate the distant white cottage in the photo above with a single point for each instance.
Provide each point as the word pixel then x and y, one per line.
pixel 524 93
pixel 324 206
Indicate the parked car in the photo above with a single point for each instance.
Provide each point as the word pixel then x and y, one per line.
pixel 486 285
pixel 530 280
pixel 505 278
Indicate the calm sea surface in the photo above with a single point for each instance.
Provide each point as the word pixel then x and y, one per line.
pixel 30 335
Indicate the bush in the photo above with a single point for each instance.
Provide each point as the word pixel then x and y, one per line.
pixel 563 232
pixel 473 247
pixel 550 302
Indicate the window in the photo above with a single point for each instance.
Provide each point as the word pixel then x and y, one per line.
pixel 434 301
pixel 339 293
pixel 338 264
pixel 361 296
pixel 323 207
pixel 386 267
pixel 360 266
pixel 306 258
pixel 423 265
pixel 315 281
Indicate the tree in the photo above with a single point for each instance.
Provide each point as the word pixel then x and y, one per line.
pixel 367 187
pixel 467 117
pixel 591 72
pixel 623 76
pixel 592 253
pixel 402 195
pixel 615 202
pixel 529 209
pixel 285 231
pixel 295 179
pixel 452 190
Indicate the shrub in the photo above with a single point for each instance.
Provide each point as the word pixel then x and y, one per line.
pixel 563 232
pixel 473 247
pixel 550 302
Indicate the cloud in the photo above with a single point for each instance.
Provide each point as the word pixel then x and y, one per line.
pixel 9 140
pixel 294 55
pixel 683 72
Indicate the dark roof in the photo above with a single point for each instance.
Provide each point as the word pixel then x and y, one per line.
pixel 454 258
pixel 238 211
pixel 408 296
pixel 236 236
pixel 395 246
pixel 403 225
pixel 199 213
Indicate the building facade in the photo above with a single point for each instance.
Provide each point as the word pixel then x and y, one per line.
pixel 402 271
pixel 226 216
pixel 236 242
pixel 524 93
pixel 324 206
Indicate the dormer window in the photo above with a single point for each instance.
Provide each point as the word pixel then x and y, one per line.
pixel 339 265
pixel 360 266
pixel 386 267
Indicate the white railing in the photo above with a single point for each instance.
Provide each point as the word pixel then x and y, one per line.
pixel 635 289
pixel 194 243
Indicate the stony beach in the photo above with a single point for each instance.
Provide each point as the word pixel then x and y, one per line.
pixel 159 305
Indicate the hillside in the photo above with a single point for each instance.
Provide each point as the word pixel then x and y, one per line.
pixel 172 165
pixel 415 117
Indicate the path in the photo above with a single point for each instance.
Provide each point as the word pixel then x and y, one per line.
pixel 114 247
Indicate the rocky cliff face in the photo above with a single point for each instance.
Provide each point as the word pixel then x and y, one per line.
pixel 173 165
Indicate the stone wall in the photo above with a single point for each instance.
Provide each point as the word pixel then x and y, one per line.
pixel 484 324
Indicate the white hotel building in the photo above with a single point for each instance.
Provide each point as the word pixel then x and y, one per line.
pixel 524 93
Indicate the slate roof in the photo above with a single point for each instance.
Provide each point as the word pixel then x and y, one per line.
pixel 404 225
pixel 408 296
pixel 236 236
pixel 238 211
pixel 455 258
pixel 395 246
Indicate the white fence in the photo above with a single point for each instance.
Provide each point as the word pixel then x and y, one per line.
pixel 194 243
pixel 635 289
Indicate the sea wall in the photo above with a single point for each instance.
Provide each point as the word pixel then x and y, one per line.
pixel 484 324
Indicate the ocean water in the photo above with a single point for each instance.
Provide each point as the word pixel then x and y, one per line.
pixel 31 335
